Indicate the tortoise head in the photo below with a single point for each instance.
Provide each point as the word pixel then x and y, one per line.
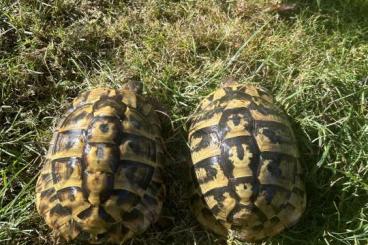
pixel 134 85
pixel 228 81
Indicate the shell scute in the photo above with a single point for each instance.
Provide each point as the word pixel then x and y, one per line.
pixel 100 181
pixel 246 164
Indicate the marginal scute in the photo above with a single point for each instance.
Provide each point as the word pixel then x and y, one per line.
pixel 101 181
pixel 248 180
pixel 76 119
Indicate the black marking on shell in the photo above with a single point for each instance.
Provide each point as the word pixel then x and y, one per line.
pixel 106 192
pixel 85 214
pixel 117 98
pixel 43 207
pixel 230 216
pixel 210 174
pixel 237 223
pixel 238 142
pixel 106 101
pixel 55 174
pixel 68 192
pixel 225 164
pixel 126 197
pixel 255 164
pixel 104 128
pixel 217 193
pixel 48 193
pixel 210 98
pixel 137 173
pixel 269 191
pixel 234 94
pixel 141 145
pixel 73 119
pixel 83 169
pixel 70 136
pixel 105 216
pixel 46 177
pixel 117 137
pixel 217 208
pixel 271 130
pixel 69 144
pixel 203 132
pixel 53 198
pixel 58 209
pixel 275 159
pixel 262 92
pixel 207 162
pixel 271 110
pixel 132 216
pixel 205 115
pixel 68 162
pixel 235 119
pixel 209 136
pixel 113 157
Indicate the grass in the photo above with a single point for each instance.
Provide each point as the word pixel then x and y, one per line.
pixel 314 60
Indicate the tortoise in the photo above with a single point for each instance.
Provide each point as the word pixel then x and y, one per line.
pixel 102 179
pixel 248 180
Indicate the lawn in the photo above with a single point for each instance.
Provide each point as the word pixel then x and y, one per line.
pixel 313 59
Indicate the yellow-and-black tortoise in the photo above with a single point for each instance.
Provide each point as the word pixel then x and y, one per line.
pixel 246 167
pixel 102 178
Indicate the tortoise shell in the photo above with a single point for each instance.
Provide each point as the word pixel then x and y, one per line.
pixel 102 178
pixel 246 169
